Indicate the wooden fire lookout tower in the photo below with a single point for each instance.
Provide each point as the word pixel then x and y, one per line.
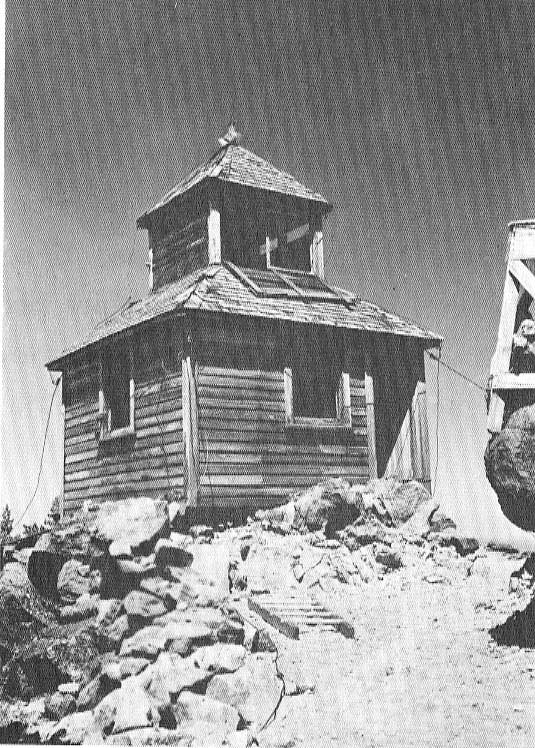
pixel 243 375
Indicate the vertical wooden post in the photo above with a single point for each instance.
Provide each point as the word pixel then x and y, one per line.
pixel 62 497
pixel 151 269
pixel 190 423
pixel 288 396
pixel 421 463
pixel 132 384
pixel 214 234
pixel 316 248
pixel 370 412
pixel 101 398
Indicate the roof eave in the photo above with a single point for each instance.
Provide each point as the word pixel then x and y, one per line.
pixel 144 221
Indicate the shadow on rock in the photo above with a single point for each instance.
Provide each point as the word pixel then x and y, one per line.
pixel 518 630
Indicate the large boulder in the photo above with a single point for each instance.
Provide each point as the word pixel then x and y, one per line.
pixel 328 505
pixel 171 674
pixel 70 539
pixel 510 466
pixel 254 690
pixel 76 579
pixel 138 522
pixel 192 707
pixel 395 503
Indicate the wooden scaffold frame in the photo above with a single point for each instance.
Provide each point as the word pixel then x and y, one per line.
pixel 519 287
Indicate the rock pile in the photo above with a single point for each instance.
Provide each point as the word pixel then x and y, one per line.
pixel 143 647
pixel 140 636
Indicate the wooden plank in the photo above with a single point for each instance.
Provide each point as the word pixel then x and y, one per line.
pixel 211 479
pixel 227 374
pixel 151 387
pixel 287 469
pixel 291 630
pixel 106 486
pixel 270 448
pixel 523 276
pixel 86 459
pixel 158 419
pixel 233 404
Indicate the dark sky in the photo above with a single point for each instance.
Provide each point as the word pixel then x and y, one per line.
pixel 417 119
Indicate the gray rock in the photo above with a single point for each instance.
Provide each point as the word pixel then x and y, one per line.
pixel 191 707
pixel 76 579
pixel 396 503
pixel 134 710
pixel 68 539
pixel 72 688
pixel 129 666
pixel 120 548
pixel 147 643
pixel 326 505
pixel 141 607
pixel 98 688
pixel 219 658
pixel 108 611
pixel 389 558
pixel 438 522
pixel 138 521
pixel 85 606
pixel 201 531
pixel 59 705
pixel 230 632
pixel 111 637
pixel 168 592
pixel 358 535
pixel 463 545
pixel 166 678
pixel 74 729
pixel 169 553
pixel 254 690
pixel 185 637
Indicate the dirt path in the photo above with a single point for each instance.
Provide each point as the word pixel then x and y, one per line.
pixel 423 669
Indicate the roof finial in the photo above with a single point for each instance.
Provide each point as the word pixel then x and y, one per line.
pixel 231 136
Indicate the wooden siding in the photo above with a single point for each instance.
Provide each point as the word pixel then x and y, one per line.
pixel 248 456
pixel 149 464
pixel 180 252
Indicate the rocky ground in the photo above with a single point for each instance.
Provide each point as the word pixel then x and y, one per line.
pixel 118 628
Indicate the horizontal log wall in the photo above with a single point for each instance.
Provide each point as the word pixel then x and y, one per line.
pixel 248 457
pixel 150 464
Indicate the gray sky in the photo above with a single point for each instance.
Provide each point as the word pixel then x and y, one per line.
pixel 417 120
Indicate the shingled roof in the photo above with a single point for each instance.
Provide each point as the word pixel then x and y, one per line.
pixel 236 164
pixel 225 289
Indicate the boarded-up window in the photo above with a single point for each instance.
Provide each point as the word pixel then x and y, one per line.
pixel 116 383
